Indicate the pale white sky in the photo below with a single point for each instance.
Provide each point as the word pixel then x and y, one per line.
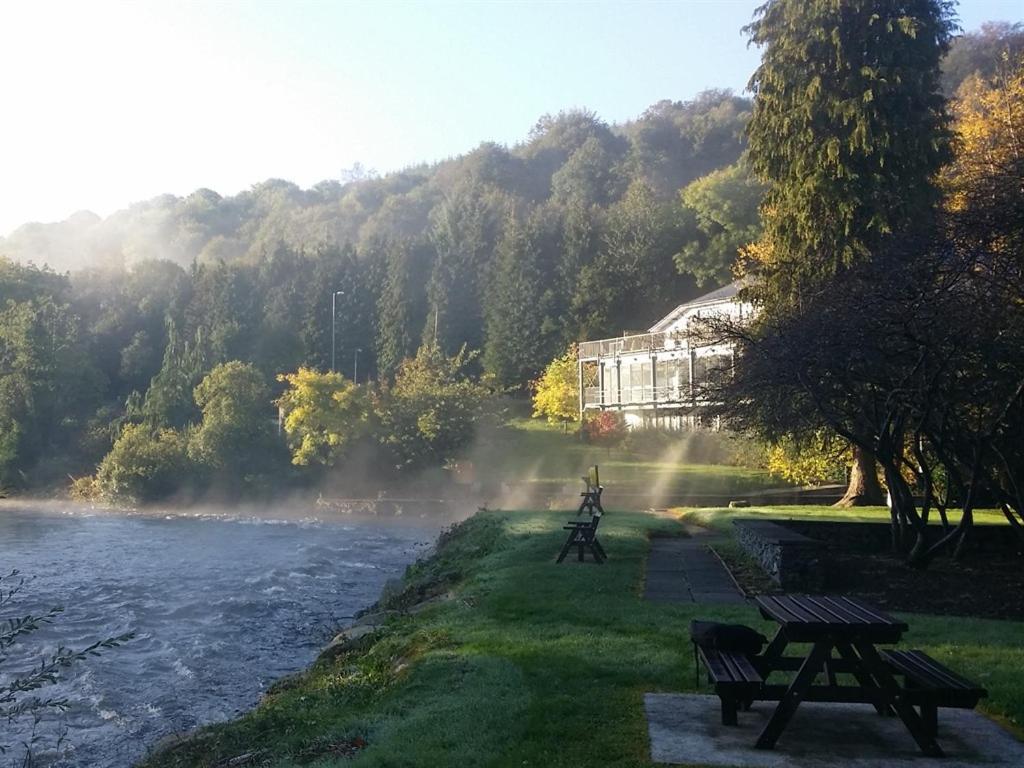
pixel 107 103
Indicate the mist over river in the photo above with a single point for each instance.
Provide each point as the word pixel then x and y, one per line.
pixel 221 605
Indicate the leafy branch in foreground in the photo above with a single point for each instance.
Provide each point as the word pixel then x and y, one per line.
pixel 17 699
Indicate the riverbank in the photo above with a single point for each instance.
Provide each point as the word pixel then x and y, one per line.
pixel 512 660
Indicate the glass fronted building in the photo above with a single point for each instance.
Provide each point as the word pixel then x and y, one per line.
pixel 654 378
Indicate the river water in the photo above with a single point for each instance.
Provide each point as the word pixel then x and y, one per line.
pixel 221 605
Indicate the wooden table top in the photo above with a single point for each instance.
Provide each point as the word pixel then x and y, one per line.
pixel 809 616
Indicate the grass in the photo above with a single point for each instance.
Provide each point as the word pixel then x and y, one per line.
pixel 720 518
pixel 534 452
pixel 529 663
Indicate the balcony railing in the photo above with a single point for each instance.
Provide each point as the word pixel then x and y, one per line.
pixel 645 395
pixel 641 342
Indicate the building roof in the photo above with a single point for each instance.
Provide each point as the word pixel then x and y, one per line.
pixel 718 296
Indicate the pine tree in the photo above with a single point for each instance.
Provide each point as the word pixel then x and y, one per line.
pixel 849 130
pixel 402 304
pixel 518 343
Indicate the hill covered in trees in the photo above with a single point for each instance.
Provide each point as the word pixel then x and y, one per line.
pixel 582 230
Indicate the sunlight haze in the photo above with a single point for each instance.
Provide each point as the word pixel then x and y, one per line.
pixel 111 103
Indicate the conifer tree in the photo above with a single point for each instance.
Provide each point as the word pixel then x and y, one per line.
pixel 849 130
pixel 518 343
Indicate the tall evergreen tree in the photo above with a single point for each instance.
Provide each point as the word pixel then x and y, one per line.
pixel 849 129
pixel 519 341
pixel 402 304
pixel 463 235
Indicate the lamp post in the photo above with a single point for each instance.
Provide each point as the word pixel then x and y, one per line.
pixel 355 366
pixel 334 299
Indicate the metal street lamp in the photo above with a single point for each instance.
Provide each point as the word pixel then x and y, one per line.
pixel 334 298
pixel 355 366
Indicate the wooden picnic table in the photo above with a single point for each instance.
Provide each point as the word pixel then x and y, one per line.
pixel 843 633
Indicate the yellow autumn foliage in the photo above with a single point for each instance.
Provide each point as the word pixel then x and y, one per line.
pixel 556 393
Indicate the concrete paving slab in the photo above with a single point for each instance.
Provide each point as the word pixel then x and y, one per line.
pixel 687 729
pixel 684 571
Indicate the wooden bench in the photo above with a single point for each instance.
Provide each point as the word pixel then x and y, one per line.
pixel 735 679
pixel 583 536
pixel 583 533
pixel 930 685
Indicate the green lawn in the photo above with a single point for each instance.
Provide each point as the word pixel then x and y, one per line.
pixel 532 452
pixel 721 519
pixel 530 663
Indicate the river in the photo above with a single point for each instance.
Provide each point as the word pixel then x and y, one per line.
pixel 221 606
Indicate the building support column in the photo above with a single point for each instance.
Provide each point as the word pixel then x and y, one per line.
pixel 654 386
pixel 579 379
pixel 618 380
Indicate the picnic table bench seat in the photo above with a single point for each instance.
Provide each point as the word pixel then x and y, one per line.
pixel 930 684
pixel 735 678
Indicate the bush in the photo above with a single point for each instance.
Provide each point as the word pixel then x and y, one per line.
pixel 85 488
pixel 606 428
pixel 145 464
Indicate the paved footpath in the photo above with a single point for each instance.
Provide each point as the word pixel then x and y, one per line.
pixel 686 571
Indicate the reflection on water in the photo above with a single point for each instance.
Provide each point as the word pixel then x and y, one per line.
pixel 221 606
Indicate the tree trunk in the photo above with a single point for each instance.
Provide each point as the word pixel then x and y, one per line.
pixel 864 489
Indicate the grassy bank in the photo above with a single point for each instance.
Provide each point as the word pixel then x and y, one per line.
pixel 532 452
pixel 720 519
pixel 527 663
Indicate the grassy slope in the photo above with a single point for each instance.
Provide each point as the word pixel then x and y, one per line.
pixel 720 519
pixel 531 664
pixel 533 451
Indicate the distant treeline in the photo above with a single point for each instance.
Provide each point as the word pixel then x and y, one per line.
pixel 583 230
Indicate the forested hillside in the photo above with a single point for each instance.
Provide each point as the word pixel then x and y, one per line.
pixel 583 230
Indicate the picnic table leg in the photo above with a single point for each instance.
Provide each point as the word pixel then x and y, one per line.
pixel 765 663
pixel 863 679
pixel 791 698
pixel 918 728
pixel 598 549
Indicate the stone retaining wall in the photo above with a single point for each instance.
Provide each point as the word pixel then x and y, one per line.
pixel 877 537
pixel 792 560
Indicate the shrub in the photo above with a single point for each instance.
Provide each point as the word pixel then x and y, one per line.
pixel 606 428
pixel 145 464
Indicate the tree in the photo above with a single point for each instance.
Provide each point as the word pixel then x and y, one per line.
pixel 401 308
pixel 722 211
pixel 325 414
pixel 518 340
pixel 984 181
pixel 169 400
pixel 235 437
pixel 849 130
pixel 48 385
pixel 556 394
pixel 433 408
pixel 463 234
pixel 894 365
pixel 981 53
pixel 632 279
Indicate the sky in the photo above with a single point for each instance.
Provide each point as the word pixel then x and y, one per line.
pixel 108 103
